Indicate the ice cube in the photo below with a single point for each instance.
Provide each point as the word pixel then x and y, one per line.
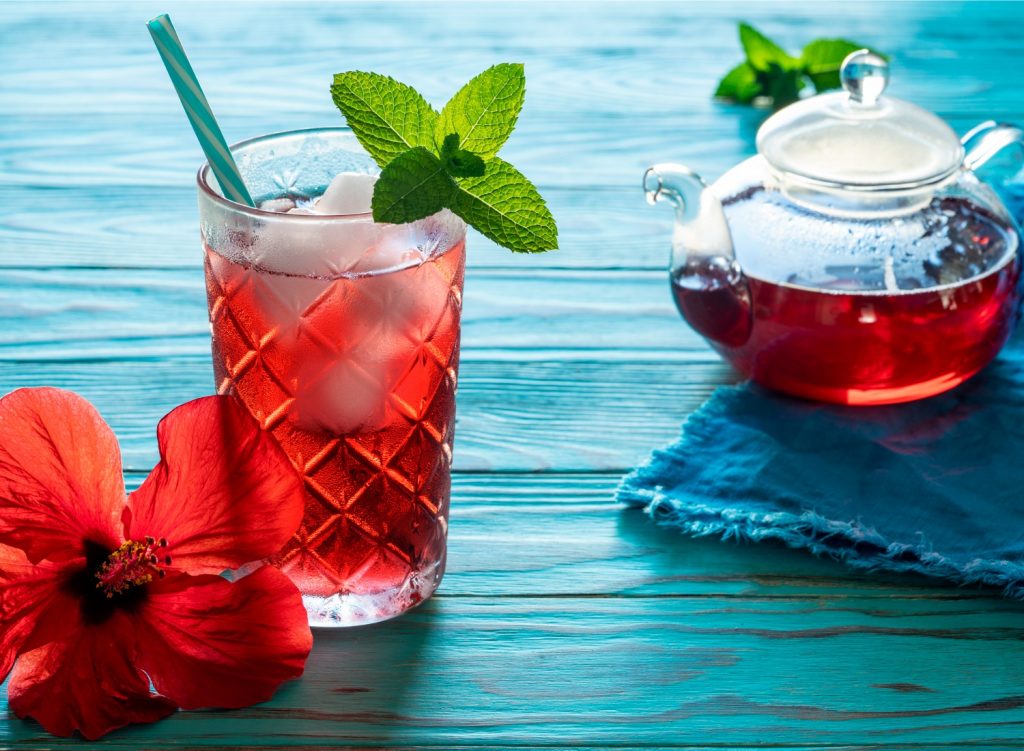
pixel 378 327
pixel 384 256
pixel 282 205
pixel 396 247
pixel 350 396
pixel 348 193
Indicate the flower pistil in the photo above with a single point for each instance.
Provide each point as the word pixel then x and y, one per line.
pixel 132 565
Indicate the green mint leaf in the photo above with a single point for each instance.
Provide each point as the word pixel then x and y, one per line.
pixel 762 52
pixel 822 58
pixel 387 117
pixel 504 206
pixel 464 164
pixel 484 111
pixel 459 162
pixel 739 84
pixel 771 73
pixel 412 186
pixel 450 145
pixel 781 85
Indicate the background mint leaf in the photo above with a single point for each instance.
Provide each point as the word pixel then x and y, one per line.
pixel 386 116
pixel 412 186
pixel 781 85
pixel 762 52
pixel 484 111
pixel 772 73
pixel 822 59
pixel 504 206
pixel 739 84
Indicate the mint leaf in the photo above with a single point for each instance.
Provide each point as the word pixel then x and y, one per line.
pixel 504 206
pixel 431 162
pixel 484 111
pixel 386 116
pixel 771 73
pixel 762 52
pixel 450 144
pixel 459 162
pixel 739 84
pixel 822 59
pixel 414 185
pixel 781 85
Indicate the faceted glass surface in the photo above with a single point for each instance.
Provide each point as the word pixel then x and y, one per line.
pixel 356 378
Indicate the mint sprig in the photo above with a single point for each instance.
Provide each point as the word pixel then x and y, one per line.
pixel 770 75
pixel 430 161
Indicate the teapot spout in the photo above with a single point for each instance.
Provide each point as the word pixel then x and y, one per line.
pixel 701 230
pixel 709 287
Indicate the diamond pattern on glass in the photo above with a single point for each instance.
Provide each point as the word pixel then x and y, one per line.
pixel 356 378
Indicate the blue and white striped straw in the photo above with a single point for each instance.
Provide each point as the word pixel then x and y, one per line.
pixel 198 110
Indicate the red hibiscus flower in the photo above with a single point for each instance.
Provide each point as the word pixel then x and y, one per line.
pixel 104 599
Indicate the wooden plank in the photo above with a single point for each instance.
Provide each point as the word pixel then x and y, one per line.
pixel 556 535
pixel 158 227
pixel 638 94
pixel 596 151
pixel 563 673
pixel 631 84
pixel 604 632
pixel 60 314
pixel 521 416
pixel 609 54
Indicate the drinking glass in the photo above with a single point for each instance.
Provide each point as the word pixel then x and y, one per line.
pixel 341 337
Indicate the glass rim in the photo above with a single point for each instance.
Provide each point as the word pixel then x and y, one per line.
pixel 205 188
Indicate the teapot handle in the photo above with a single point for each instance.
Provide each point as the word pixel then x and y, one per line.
pixel 987 139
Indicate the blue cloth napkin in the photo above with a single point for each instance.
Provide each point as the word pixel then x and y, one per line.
pixel 935 487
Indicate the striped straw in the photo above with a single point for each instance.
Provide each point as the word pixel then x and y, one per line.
pixel 198 110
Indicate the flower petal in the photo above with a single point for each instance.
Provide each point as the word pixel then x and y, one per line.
pixel 86 683
pixel 224 493
pixel 208 642
pixel 30 593
pixel 60 474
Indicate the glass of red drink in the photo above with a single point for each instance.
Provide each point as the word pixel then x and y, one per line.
pixel 341 336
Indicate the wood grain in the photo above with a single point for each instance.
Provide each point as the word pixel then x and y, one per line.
pixel 517 416
pixel 70 314
pixel 601 632
pixel 638 93
pixel 114 227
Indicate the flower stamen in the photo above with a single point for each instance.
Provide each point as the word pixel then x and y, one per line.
pixel 131 565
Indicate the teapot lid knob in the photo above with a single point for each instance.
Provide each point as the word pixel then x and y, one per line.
pixel 864 74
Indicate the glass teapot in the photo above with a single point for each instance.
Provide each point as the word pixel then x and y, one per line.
pixel 857 258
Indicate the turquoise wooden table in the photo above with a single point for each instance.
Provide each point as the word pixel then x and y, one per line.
pixel 563 621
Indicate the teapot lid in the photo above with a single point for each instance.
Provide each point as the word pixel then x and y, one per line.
pixel 858 139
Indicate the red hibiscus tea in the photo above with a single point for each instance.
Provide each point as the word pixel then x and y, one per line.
pixel 341 336
pixel 862 335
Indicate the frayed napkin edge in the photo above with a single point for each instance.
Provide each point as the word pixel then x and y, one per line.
pixel 856 546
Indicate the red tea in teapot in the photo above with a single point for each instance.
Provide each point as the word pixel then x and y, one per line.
pixel 860 333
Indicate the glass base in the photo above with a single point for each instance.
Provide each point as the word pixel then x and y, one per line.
pixel 359 609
